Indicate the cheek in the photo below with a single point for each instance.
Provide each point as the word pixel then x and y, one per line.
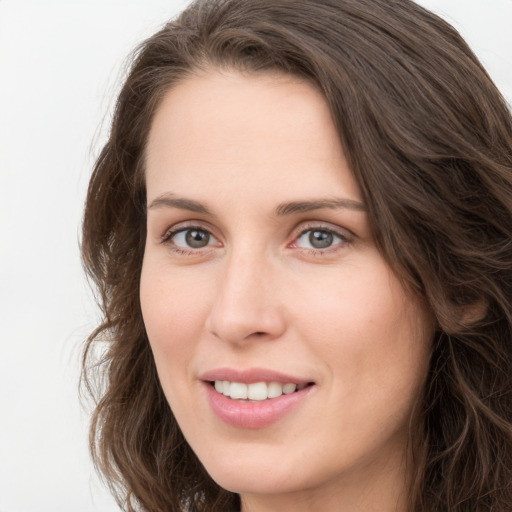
pixel 354 304
pixel 173 308
pixel 370 332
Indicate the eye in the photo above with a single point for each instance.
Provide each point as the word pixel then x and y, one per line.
pixel 319 238
pixel 189 238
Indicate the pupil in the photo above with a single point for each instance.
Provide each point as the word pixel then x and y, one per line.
pixel 197 239
pixel 320 239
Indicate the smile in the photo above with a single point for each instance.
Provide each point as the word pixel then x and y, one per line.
pixel 254 398
pixel 257 391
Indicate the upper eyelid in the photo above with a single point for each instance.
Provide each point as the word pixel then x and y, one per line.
pixel 295 233
pixel 167 239
pixel 343 239
pixel 322 226
pixel 188 224
pixel 327 230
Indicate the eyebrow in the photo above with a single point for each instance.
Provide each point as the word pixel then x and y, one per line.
pixel 170 201
pixel 318 204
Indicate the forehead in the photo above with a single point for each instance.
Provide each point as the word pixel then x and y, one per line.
pixel 233 129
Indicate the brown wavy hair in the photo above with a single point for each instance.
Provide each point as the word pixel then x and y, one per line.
pixel 429 139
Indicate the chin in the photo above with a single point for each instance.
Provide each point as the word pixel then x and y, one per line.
pixel 252 482
pixel 253 476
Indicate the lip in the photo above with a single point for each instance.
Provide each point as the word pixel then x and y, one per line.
pixel 252 415
pixel 251 375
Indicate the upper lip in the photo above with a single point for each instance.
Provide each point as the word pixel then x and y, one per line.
pixel 251 375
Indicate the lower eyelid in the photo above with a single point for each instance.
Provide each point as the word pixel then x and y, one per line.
pixel 169 236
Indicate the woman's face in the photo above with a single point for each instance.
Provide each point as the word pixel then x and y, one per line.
pixel 261 278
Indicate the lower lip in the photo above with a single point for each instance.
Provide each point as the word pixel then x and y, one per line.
pixel 253 414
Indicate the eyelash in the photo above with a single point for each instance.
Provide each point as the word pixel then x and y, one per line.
pixel 170 234
pixel 345 238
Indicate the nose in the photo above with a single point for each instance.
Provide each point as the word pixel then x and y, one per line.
pixel 246 306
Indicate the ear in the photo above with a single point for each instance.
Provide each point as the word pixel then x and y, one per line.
pixel 451 318
pixel 473 313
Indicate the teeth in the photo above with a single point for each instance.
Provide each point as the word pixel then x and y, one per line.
pixel 274 389
pixel 238 391
pixel 257 391
pixel 289 388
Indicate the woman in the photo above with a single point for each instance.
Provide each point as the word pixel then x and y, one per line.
pixel 300 229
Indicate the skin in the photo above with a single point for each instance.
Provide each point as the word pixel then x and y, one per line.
pixel 260 294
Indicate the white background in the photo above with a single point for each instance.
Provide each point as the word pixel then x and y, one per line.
pixel 61 63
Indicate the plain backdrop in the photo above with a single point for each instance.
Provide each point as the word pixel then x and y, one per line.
pixel 61 64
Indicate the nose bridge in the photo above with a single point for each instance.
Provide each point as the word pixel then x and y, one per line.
pixel 246 303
